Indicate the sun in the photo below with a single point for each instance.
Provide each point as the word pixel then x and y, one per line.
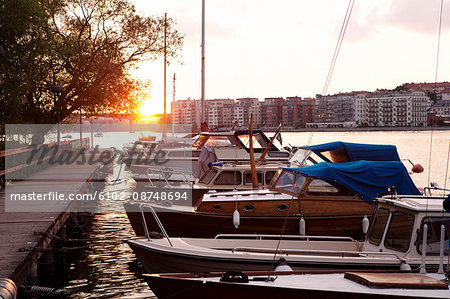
pixel 146 109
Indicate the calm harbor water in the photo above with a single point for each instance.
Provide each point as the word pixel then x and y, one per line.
pixel 107 268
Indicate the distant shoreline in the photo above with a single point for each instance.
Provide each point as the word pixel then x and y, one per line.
pixel 366 129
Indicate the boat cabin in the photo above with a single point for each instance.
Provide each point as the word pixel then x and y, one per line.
pixel 237 176
pixel 398 225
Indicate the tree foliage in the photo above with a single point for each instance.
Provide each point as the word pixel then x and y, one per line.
pixel 87 46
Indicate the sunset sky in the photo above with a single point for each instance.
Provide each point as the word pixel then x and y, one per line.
pixel 268 48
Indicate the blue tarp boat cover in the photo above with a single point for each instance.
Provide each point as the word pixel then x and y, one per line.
pixel 366 178
pixel 359 151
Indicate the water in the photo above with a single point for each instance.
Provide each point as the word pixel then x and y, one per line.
pixel 107 268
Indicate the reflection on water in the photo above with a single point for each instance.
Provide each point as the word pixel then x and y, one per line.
pixel 108 268
pixel 103 266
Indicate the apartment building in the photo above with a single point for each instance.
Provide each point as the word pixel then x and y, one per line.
pixel 187 112
pixel 215 112
pixel 271 112
pixel 334 108
pixel 403 109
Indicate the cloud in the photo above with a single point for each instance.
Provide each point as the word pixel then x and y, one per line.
pixel 413 15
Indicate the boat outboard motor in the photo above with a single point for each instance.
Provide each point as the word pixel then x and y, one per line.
pixel 8 289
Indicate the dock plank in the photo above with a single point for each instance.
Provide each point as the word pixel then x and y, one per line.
pixel 17 229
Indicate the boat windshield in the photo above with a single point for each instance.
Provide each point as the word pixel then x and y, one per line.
pixel 208 176
pixel 399 232
pixel 305 157
pixel 214 141
pixel 289 181
pixel 258 141
pixel 378 225
pixel 200 141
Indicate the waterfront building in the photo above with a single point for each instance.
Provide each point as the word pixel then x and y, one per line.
pixel 444 95
pixel 218 112
pixel 290 111
pixel 306 112
pixel 271 112
pixel 245 105
pixel 402 109
pixel 335 108
pixel 188 113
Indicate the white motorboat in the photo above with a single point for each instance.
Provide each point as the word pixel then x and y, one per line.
pixel 394 238
pixel 306 284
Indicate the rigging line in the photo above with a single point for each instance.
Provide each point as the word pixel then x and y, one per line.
pixel 286 218
pixel 446 170
pixel 339 49
pixel 335 49
pixel 338 44
pixel 439 42
pixel 342 39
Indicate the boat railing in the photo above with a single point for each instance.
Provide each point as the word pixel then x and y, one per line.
pixel 163 174
pixel 289 237
pixel 341 253
pixel 161 226
pixel 427 190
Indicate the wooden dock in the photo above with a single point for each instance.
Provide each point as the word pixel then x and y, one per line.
pixel 19 245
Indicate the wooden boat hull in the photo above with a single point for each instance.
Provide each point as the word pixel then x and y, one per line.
pixel 208 225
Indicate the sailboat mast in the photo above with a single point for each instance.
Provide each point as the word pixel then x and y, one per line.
pixel 165 63
pixel 173 107
pixel 203 61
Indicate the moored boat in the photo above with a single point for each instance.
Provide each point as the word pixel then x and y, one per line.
pixel 300 284
pixel 232 146
pixel 394 240
pixel 331 198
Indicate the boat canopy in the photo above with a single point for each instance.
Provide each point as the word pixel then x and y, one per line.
pixel 366 178
pixel 358 151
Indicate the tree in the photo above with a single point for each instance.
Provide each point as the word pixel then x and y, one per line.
pixel 87 46
pixel 433 96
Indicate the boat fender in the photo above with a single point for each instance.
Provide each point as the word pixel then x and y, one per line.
pixel 302 226
pixel 8 289
pixel 417 168
pixel 236 218
pixel 234 276
pixel 282 266
pixel 365 224
pixel 404 266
